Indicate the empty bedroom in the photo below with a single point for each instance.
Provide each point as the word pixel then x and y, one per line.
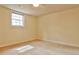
pixel 39 29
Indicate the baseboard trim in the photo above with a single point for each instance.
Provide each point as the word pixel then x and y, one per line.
pixel 16 43
pixel 63 43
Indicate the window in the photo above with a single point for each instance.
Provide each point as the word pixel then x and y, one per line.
pixel 17 20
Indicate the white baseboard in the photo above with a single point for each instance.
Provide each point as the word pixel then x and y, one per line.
pixel 9 44
pixel 64 43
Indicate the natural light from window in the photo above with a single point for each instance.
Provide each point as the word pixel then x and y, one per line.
pixel 17 20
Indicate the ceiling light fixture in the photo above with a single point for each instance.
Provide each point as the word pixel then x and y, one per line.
pixel 35 5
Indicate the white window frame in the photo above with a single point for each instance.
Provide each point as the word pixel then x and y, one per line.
pixel 17 24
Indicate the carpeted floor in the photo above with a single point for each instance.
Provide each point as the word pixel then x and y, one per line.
pixel 39 48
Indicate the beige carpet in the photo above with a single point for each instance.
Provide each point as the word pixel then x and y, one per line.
pixel 39 48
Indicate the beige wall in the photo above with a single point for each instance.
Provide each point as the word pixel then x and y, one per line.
pixel 61 27
pixel 11 35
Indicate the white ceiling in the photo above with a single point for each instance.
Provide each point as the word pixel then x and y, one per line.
pixel 42 9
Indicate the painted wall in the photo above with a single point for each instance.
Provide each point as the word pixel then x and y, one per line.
pixel 11 35
pixel 60 27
